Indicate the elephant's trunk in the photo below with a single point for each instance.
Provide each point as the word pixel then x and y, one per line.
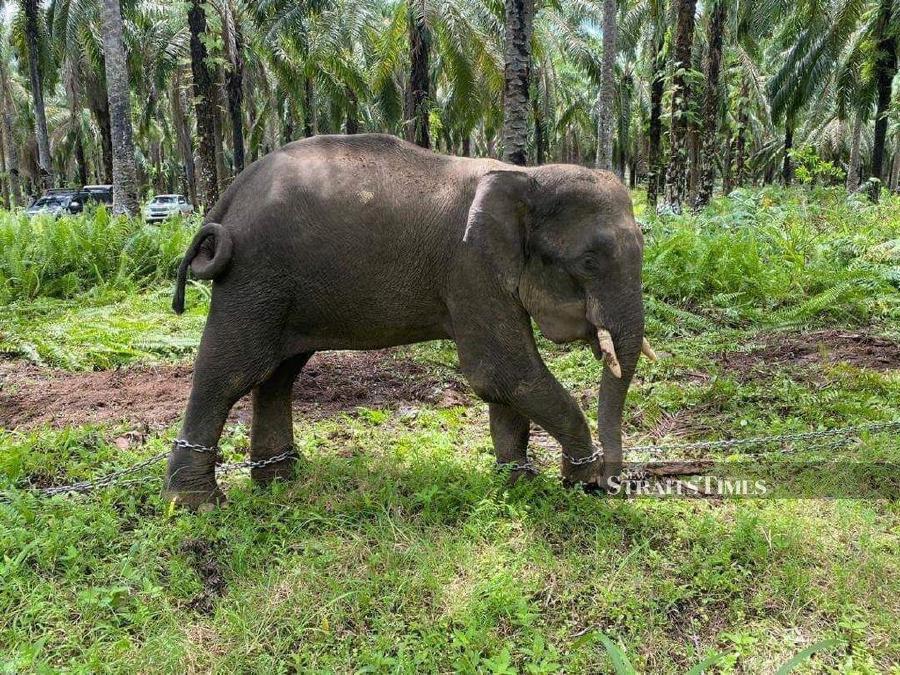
pixel 627 337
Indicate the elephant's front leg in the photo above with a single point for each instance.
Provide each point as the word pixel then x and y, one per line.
pixel 510 432
pixel 502 363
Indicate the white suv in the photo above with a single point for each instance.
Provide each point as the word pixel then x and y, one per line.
pixel 166 206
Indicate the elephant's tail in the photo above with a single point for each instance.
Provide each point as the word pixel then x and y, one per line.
pixel 207 256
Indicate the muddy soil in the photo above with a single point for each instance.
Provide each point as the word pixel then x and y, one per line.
pixel 202 555
pixel 778 350
pixel 154 397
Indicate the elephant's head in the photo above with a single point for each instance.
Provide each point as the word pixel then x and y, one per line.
pixel 563 239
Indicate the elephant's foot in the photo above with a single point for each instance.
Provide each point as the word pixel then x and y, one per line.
pixel 279 469
pixel 597 477
pixel 516 473
pixel 191 480
pixel 195 499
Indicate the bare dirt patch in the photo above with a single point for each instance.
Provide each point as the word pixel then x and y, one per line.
pixel 154 397
pixel 862 350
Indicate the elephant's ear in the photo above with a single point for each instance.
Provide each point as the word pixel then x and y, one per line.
pixel 498 224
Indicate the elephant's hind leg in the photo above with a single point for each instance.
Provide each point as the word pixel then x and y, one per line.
pixel 273 428
pixel 229 364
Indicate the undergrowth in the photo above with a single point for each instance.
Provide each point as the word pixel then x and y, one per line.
pixel 60 258
pixel 776 257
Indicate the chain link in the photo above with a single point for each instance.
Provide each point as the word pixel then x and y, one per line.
pixel 844 434
pixel 580 461
pixel 526 466
pixel 290 453
pixel 835 437
pixel 181 444
pixel 103 481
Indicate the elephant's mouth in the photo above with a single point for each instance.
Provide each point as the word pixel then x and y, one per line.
pixel 604 349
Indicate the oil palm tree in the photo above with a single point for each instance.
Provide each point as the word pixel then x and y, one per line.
pixel 517 79
pixel 417 93
pixel 711 102
pixel 885 29
pixel 7 125
pixel 125 188
pixel 204 107
pixel 676 174
pixel 644 40
pixel 33 30
pixel 606 101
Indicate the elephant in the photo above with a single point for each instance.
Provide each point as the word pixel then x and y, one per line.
pixel 366 242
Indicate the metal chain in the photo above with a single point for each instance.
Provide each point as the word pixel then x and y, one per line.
pixel 526 466
pixel 118 477
pixel 845 433
pixel 580 461
pixel 180 443
pixel 291 452
pixel 103 481
pixel 839 437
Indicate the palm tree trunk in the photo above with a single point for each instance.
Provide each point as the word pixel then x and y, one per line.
pixel 125 188
pixel 676 176
pixel 633 164
pixel 740 144
pixel 418 91
pixel 787 170
pixel 309 108
pixel 607 98
pixel 101 113
pixel 693 144
pixel 7 124
pixel 183 135
pixel 653 150
pixel 885 68
pixel 853 167
pixel 218 126
pixel 727 169
pixel 5 195
pixel 894 183
pixel 234 84
pixel 708 141
pixel 204 102
pixel 517 80
pixel 539 141
pixel 30 10
pixel 80 158
pixel 352 126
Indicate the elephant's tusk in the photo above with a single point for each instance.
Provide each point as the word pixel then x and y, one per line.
pixel 609 351
pixel 647 350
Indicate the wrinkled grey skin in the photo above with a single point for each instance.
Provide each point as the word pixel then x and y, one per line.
pixel 365 242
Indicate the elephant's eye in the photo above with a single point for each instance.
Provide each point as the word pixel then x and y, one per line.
pixel 589 266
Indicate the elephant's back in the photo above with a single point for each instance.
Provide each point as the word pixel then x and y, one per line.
pixel 362 227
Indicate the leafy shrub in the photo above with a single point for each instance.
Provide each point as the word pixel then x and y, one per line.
pixel 779 256
pixel 60 258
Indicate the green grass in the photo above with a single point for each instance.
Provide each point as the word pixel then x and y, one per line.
pixel 104 328
pixel 398 549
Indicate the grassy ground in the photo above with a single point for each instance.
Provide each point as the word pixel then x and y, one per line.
pixel 398 548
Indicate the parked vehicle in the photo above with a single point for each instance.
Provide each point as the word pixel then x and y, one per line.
pixel 101 194
pixel 166 206
pixel 58 202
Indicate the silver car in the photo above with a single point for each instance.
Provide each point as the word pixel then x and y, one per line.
pixel 166 206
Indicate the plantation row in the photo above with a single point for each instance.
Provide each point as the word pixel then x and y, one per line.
pixel 790 256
